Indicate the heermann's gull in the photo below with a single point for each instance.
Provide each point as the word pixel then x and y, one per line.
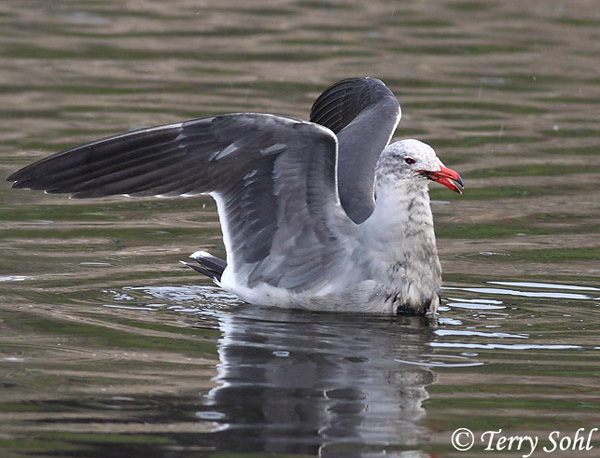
pixel 296 235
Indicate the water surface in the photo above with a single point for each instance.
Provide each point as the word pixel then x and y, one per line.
pixel 109 347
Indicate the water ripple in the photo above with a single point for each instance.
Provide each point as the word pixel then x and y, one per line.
pixel 493 346
pixel 511 292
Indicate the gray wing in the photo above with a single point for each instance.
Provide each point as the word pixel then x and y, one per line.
pixel 364 114
pixel 273 179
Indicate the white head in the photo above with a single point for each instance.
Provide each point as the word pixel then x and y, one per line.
pixel 414 163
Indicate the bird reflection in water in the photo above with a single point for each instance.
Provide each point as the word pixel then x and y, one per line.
pixel 326 384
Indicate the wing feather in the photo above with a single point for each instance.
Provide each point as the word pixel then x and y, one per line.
pixel 364 114
pixel 273 178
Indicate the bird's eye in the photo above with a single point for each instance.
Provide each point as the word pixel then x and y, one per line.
pixel 409 160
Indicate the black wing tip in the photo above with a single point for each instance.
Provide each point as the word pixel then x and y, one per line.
pixel 14 177
pixel 210 274
pixel 342 102
pixel 19 182
pixel 208 265
pixel 333 89
pixel 26 181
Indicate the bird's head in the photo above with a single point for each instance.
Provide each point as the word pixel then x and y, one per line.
pixel 417 163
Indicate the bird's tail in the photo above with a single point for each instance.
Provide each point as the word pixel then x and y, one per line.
pixel 209 265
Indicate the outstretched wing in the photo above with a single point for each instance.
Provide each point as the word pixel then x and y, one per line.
pixel 273 179
pixel 364 114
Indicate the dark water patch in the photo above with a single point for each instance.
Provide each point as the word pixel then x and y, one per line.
pixel 529 86
pixel 324 5
pixel 469 6
pixel 323 42
pixel 45 446
pixel 181 112
pixel 526 404
pixel 104 10
pixel 574 150
pixel 121 209
pixel 507 388
pixel 530 79
pixel 28 114
pixel 409 84
pixel 225 32
pixel 443 34
pixel 108 87
pixel 92 89
pixel 54 213
pixel 463 50
pixel 493 230
pixel 529 170
pixel 562 217
pixel 495 192
pixel 572 133
pixel 266 11
pixel 102 232
pixel 582 100
pixel 339 28
pixel 487 107
pixel 453 159
pixel 105 52
pixel 99 132
pixel 502 192
pixel 499 129
pixel 398 21
pixel 481 140
pixel 276 89
pixel 545 256
pixel 480 422
pixel 554 255
pixel 466 116
pixel 405 132
pixel 89 52
pixel 454 280
pixel 98 439
pixel 103 335
pixel 578 21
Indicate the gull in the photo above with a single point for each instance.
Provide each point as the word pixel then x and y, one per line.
pixel 323 214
